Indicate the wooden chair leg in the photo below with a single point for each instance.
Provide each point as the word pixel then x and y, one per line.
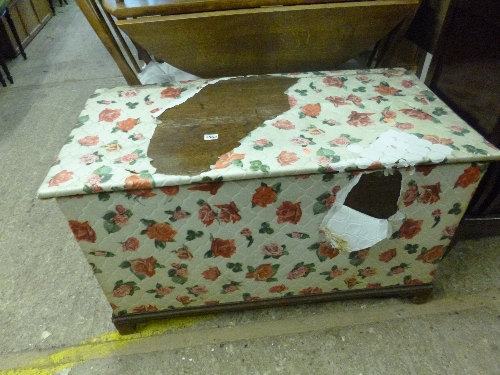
pixel 2 81
pixel 14 32
pixel 3 64
pixel 96 20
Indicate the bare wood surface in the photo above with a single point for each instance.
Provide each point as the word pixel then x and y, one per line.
pixel 141 8
pixel 230 109
pixel 268 40
pixel 126 323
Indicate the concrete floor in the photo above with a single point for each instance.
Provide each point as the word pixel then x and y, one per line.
pixel 55 320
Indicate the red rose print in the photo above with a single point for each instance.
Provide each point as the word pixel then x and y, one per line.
pixel 289 212
pixel 198 290
pixel 228 212
pixel 170 190
pixel 272 250
pixel 298 273
pixel 386 90
pixel 310 290
pixel 109 115
pixel 127 124
pixel 367 272
pixel 432 255
pixel 261 273
pixel 162 232
pixel 355 99
pixel 144 266
pixel 210 186
pixel 360 119
pixel 430 194
pixel 287 158
pixel 410 195
pixel 449 231
pixel 170 92
pixel 410 228
pixel 436 140
pixel 211 274
pixel 336 272
pixel 122 291
pixel 327 250
pixel 227 159
pixel 404 126
pixel 184 254
pixel 206 215
pixel 470 176
pixel 278 289
pixel 312 110
pixel 425 169
pixel 263 196
pixel 135 182
pixel 337 101
pixel 333 82
pixel 90 140
pixel 82 231
pixel 416 113
pixel 407 83
pixel 144 308
pixel 389 114
pixel 223 248
pixel 387 256
pixel 61 178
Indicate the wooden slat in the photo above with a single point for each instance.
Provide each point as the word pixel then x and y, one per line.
pixel 267 40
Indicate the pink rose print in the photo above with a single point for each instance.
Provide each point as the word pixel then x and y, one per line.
pixel 407 83
pixel 112 147
pixel 389 114
pixel 93 179
pixel 324 161
pixel 60 178
pixel 300 141
pixel 261 142
pixel 410 195
pixel 273 250
pixel 292 101
pixel 340 141
pixel 227 159
pixel 90 140
pixel 436 140
pixel 355 99
pixel 363 79
pixel 206 215
pixel 131 244
pixel 109 115
pixel 129 93
pixel 120 220
pixel 337 101
pixel 333 82
pixel 284 124
pixel 298 273
pixel 88 159
pixel 404 126
pixel 170 92
pixel 416 113
pixel 360 119
pixel 122 291
pixel 129 158
pixel 311 110
pixel 287 158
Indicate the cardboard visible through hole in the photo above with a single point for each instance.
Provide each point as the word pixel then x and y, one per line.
pixel 376 194
pixel 231 109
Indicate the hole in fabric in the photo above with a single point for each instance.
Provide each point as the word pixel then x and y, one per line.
pixel 376 194
pixel 229 109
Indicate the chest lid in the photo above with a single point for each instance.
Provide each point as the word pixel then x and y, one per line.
pixel 255 127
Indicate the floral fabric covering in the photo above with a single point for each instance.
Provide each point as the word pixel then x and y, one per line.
pixel 343 120
pixel 239 241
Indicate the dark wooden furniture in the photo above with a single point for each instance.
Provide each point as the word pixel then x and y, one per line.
pixel 265 37
pixel 28 18
pixel 463 36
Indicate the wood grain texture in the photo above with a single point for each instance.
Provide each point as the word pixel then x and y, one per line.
pixel 268 40
pixel 230 109
pixel 141 8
